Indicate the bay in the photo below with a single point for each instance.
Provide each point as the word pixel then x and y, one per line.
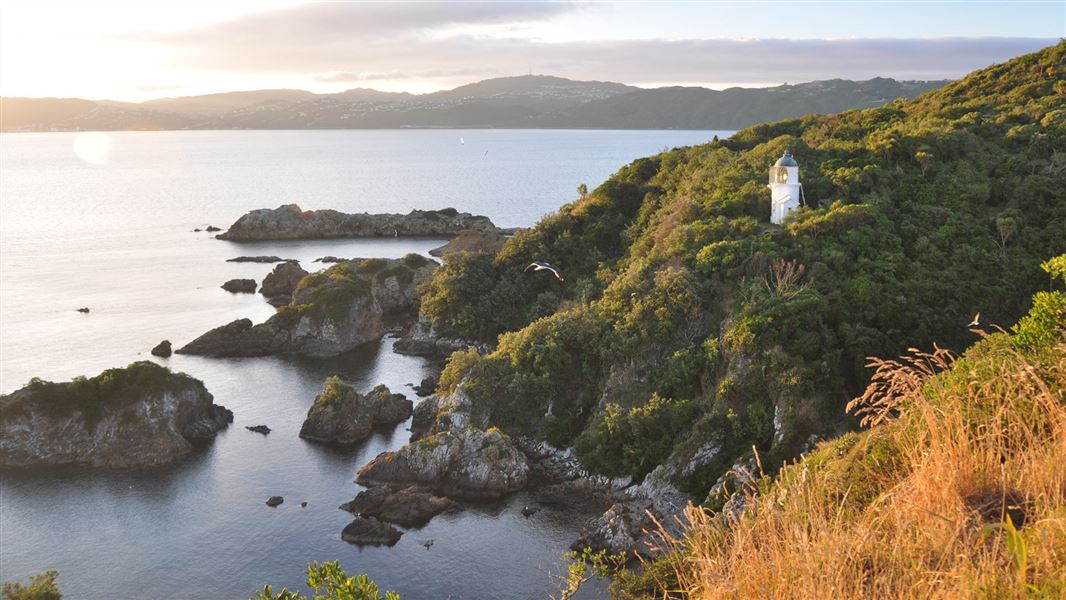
pixel 105 221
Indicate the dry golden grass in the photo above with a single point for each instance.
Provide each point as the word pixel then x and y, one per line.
pixel 959 491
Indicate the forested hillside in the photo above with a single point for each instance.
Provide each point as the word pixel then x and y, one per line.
pixel 689 329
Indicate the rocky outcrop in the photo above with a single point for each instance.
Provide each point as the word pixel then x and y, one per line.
pixel 289 222
pixel 257 259
pixel 407 507
pixel 426 386
pixel 464 464
pixel 162 349
pixel 476 241
pixel 627 526
pixel 280 284
pixel 368 531
pixel 239 286
pixel 332 311
pixel 422 340
pixel 343 416
pixel 140 415
pixel 424 416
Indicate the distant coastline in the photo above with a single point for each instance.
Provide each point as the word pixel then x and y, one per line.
pixel 526 102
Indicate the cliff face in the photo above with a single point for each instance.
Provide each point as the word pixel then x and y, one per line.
pixel 142 415
pixel 332 311
pixel 289 222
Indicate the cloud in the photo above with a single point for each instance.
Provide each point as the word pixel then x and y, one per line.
pixel 346 77
pixel 447 44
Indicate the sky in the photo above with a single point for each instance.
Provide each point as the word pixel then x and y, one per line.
pixel 135 51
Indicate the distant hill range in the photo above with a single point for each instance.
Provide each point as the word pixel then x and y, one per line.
pixel 530 101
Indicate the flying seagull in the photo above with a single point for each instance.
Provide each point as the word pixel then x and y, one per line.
pixel 539 265
pixel 976 320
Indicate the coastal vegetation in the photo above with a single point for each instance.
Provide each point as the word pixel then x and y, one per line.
pixel 690 330
pixel 954 491
pixel 42 586
pixel 91 396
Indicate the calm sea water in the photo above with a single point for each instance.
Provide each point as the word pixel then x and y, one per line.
pixel 105 221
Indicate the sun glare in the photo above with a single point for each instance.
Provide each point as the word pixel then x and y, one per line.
pixel 93 147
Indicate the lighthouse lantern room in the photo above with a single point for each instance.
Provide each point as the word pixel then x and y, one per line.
pixel 786 191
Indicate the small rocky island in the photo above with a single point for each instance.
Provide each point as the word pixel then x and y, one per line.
pixel 344 416
pixel 289 222
pixel 330 312
pixel 140 415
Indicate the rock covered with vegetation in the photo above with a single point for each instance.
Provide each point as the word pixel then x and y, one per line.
pixel 289 222
pixel 331 311
pixel 140 415
pixel 460 463
pixel 342 415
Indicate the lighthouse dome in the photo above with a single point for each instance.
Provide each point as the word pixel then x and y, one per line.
pixel 786 160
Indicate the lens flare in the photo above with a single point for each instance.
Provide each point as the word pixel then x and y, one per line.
pixel 93 147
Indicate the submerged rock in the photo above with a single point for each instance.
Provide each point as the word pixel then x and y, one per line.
pixel 139 415
pixel 84 309
pixel 263 429
pixel 467 464
pixel 368 531
pixel 162 349
pixel 212 228
pixel 407 507
pixel 343 416
pixel 289 222
pixel 332 311
pixel 274 501
pixel 239 286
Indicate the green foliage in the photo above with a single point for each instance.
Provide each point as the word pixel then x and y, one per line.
pixel 919 214
pixel 42 587
pixel 1046 321
pixel 328 581
pixel 587 565
pixel 457 366
pixel 415 261
pixel 334 393
pixel 111 389
pixel 635 441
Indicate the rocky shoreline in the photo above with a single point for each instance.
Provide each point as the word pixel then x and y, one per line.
pixel 326 313
pixel 290 222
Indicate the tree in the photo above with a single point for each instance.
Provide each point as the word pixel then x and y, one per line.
pixel 42 587
pixel 583 190
pixel 330 582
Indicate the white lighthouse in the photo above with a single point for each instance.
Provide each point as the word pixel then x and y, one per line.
pixel 786 191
